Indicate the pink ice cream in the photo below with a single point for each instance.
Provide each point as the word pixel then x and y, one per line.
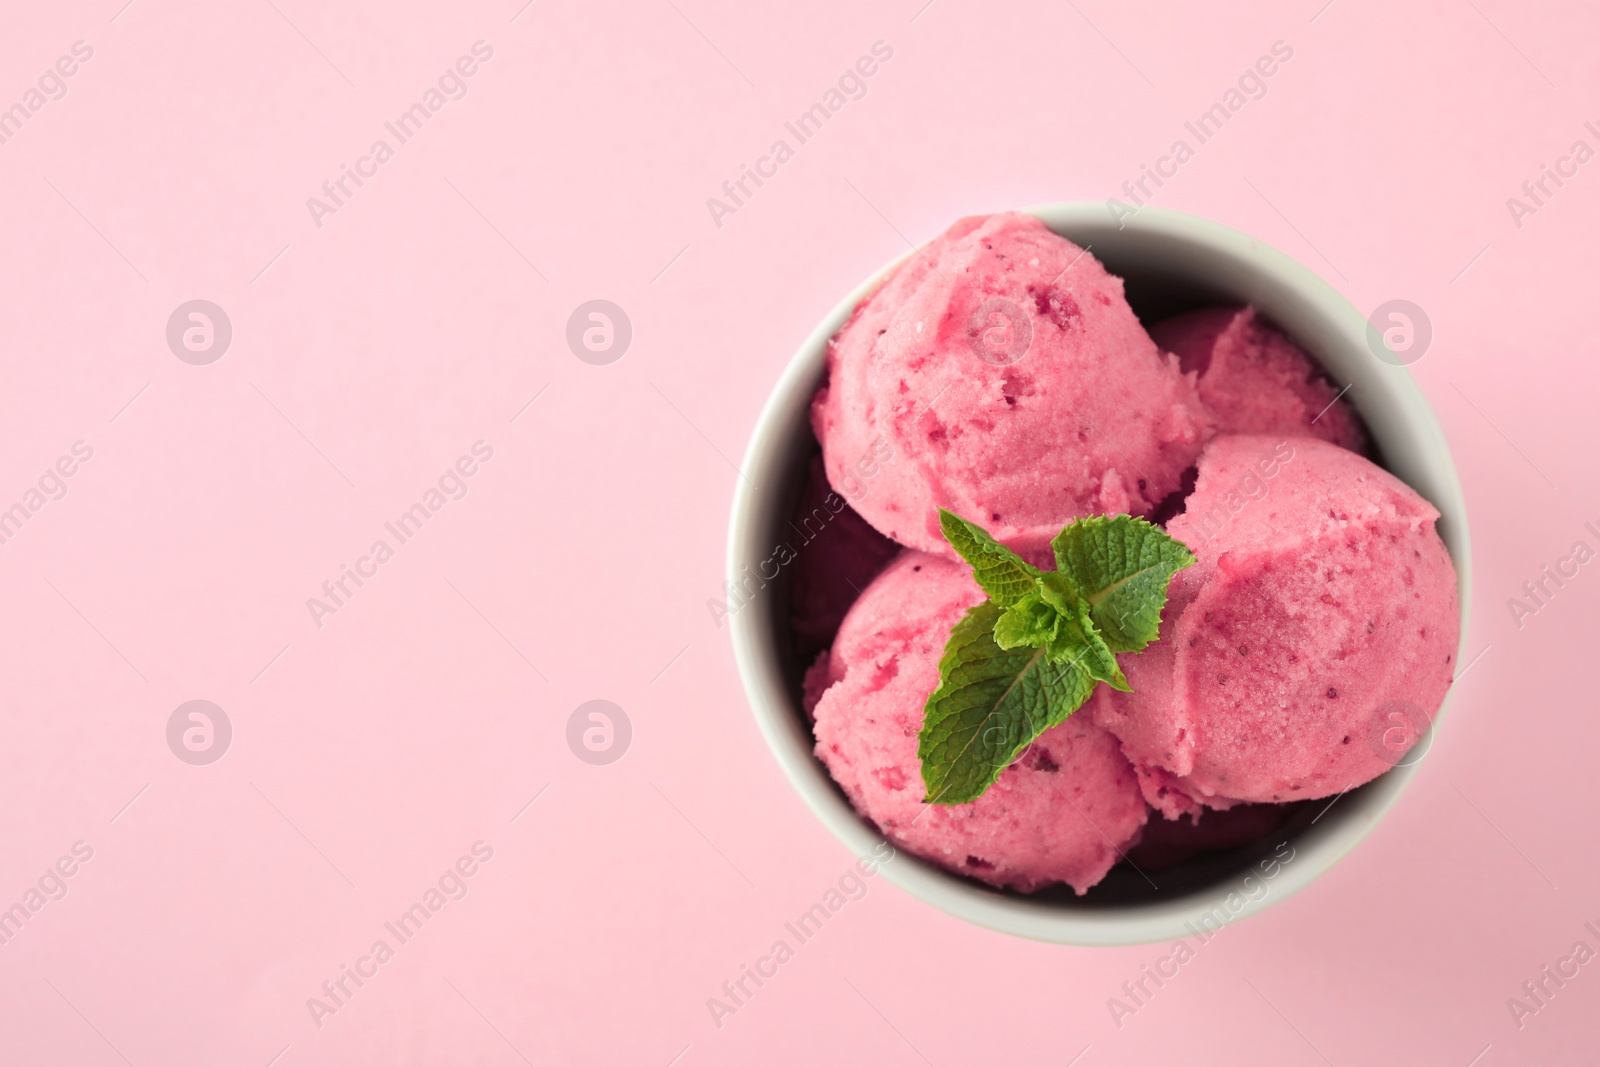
pixel 1059 814
pixel 1309 645
pixel 1001 374
pixel 1253 379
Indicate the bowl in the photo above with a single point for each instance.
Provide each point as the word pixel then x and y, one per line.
pixel 1170 262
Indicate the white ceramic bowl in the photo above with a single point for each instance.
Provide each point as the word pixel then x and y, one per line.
pixel 1170 261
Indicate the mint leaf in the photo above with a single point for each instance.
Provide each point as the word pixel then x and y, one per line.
pixel 1000 572
pixel 1080 644
pixel 1120 567
pixel 1074 636
pixel 1030 621
pixel 990 705
pixel 1030 655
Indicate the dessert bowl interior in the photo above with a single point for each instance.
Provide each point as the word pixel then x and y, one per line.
pixel 1170 262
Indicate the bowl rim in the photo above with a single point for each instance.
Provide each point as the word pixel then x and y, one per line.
pixel 1304 305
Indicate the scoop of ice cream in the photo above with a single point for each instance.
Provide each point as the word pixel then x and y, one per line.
pixel 1309 646
pixel 1253 379
pixel 1059 814
pixel 1001 374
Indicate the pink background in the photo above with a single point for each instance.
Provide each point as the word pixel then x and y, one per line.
pixel 425 714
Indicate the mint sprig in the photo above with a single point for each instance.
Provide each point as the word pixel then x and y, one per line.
pixel 1031 654
pixel 998 571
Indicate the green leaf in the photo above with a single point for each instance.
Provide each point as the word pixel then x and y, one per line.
pixel 1120 567
pixel 1079 643
pixel 990 705
pixel 1074 637
pixel 1030 655
pixel 1030 621
pixel 1000 572
pixel 1058 590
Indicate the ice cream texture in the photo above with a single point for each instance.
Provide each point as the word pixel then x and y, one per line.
pixel 1003 370
pixel 1253 379
pixel 1063 812
pixel 1310 644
